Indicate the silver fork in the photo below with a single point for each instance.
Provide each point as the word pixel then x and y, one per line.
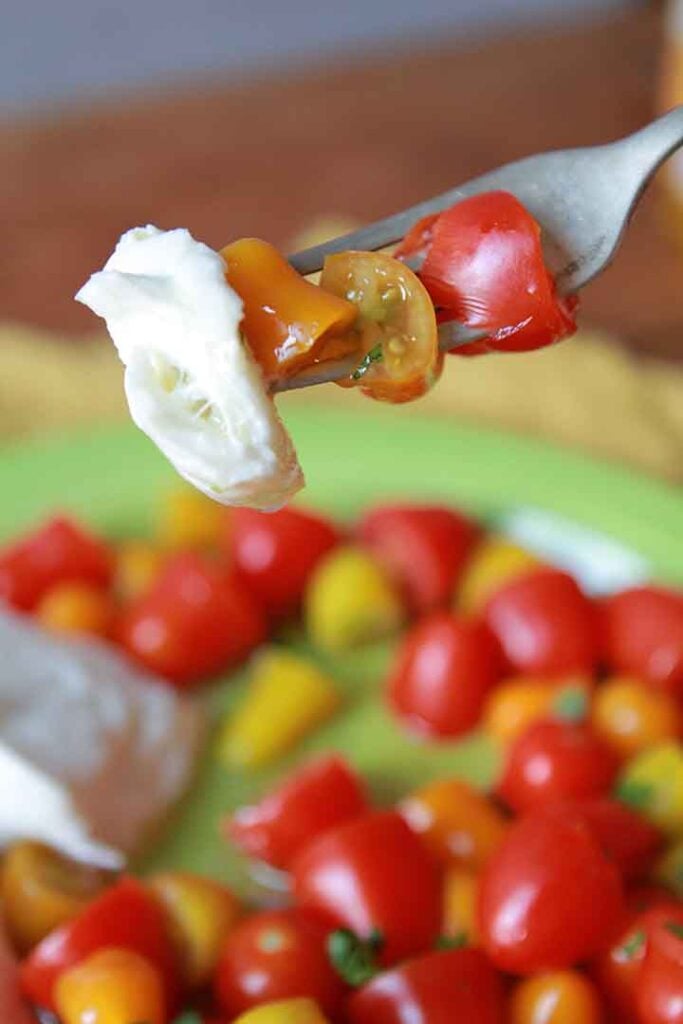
pixel 582 198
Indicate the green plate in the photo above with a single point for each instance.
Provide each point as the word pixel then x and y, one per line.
pixel 113 479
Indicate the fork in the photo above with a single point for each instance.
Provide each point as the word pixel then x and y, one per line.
pixel 582 198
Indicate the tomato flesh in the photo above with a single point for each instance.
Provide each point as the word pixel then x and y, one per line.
pixel 437 988
pixel 373 875
pixel 60 551
pixel 396 325
pixel 319 796
pixel 549 898
pixel 483 266
pixel 554 760
pixel 545 625
pixel 275 553
pixel 125 916
pixel 195 621
pixel 424 547
pixel 288 322
pixel 275 955
pixel 445 668
pixel 641 632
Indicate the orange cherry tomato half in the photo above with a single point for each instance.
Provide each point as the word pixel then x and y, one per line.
pixel 287 320
pixel 396 325
pixel 41 890
pixel 559 997
pixel 111 986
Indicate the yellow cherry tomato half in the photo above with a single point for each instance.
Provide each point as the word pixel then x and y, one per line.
pixel 113 986
pixel 461 889
pixel 138 563
pixel 75 607
pixel 396 325
pixel 632 716
pixel 188 519
pixel 494 562
pixel 558 997
pixel 284 1011
pixel 288 322
pixel 41 890
pixel 460 825
pixel 201 913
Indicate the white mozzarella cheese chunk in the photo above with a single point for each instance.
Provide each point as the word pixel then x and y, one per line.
pixel 191 383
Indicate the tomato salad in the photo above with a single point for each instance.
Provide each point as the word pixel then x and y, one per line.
pixel 555 897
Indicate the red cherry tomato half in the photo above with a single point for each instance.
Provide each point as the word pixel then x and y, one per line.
pixel 549 898
pixel 545 625
pixel 617 969
pixel 319 796
pixel 125 916
pixel 554 760
pixel 60 551
pixel 444 670
pixel 659 987
pixel 423 547
pixel 455 986
pixel 276 553
pixel 273 955
pixel 373 875
pixel 628 839
pixel 194 622
pixel 641 632
pixel 484 266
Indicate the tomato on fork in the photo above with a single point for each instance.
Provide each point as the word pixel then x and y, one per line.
pixel 396 325
pixel 483 266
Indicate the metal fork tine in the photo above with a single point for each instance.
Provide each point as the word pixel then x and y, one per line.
pixel 373 236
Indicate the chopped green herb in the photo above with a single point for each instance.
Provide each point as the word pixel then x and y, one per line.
pixel 451 941
pixel 635 794
pixel 632 946
pixel 375 355
pixel 353 958
pixel 570 704
pixel 189 1017
pixel 675 928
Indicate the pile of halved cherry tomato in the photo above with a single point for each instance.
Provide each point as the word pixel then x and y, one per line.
pixel 554 899
pixel 483 267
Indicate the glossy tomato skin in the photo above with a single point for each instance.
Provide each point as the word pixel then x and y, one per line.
pixel 549 898
pixel 424 548
pixel 628 839
pixel 641 632
pixel 659 987
pixel 444 670
pixel 278 954
pixel 373 874
pixel 195 621
pixel 555 760
pixel 456 985
pixel 125 916
pixel 484 267
pixel 319 796
pixel 60 551
pixel 617 969
pixel 276 553
pixel 545 625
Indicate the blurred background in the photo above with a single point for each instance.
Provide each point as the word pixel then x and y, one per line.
pixel 233 117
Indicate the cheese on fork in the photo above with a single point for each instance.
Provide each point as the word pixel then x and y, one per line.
pixel 93 752
pixel 191 383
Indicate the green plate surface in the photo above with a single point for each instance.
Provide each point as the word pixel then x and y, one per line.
pixel 115 478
